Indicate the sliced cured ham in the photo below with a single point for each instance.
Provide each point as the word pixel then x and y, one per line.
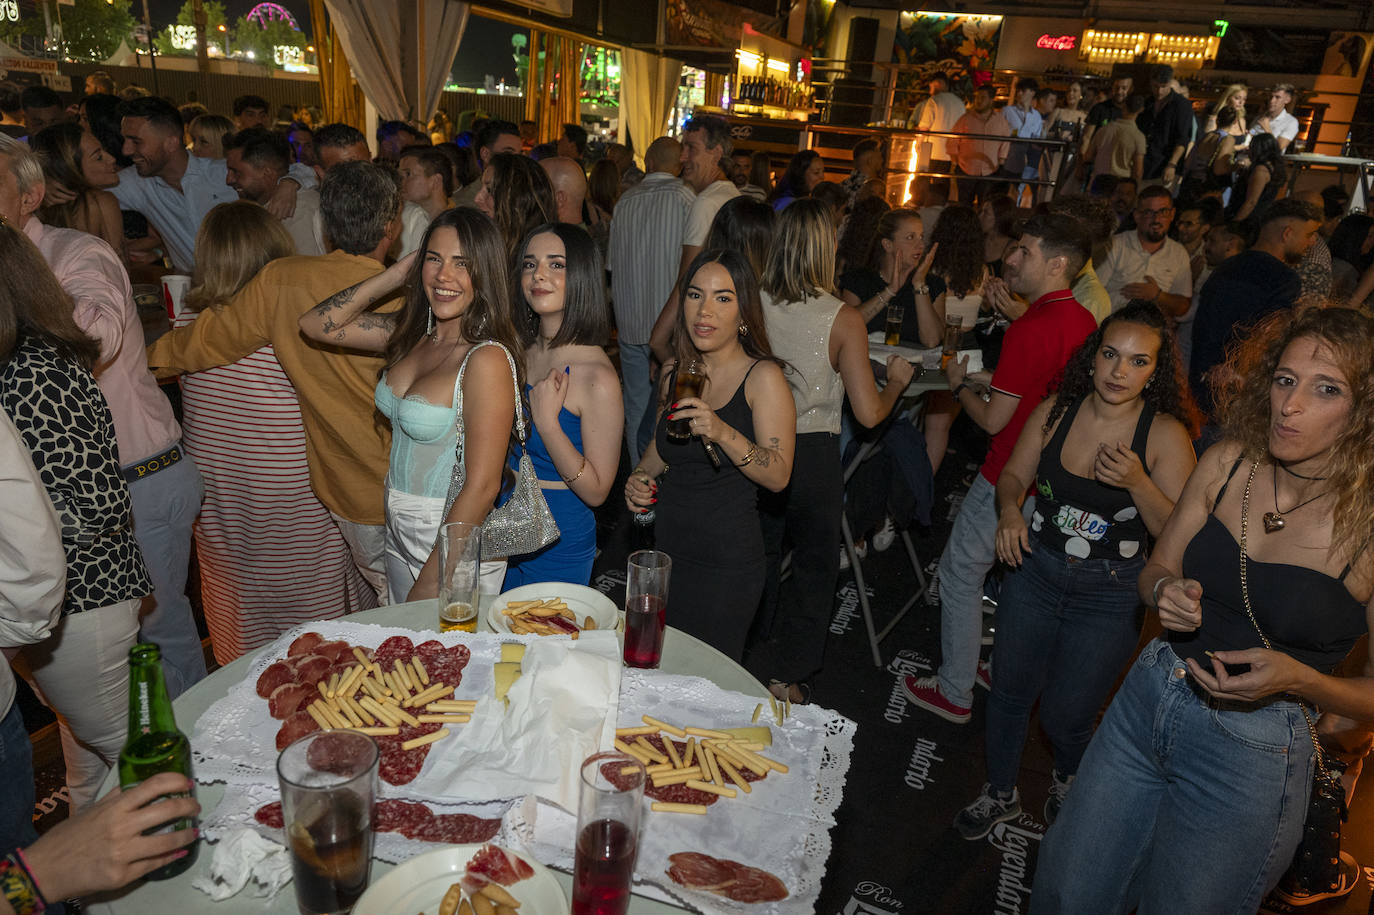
pixel 730 879
pixel 494 864
pixel 276 673
pixel 304 644
pixel 312 668
pixel 336 652
pixel 297 725
pixel 286 699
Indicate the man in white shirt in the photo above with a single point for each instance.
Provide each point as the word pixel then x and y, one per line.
pixel 1147 263
pixel 33 578
pixel 644 259
pixel 175 189
pixel 705 142
pixel 257 159
pixel 1276 120
pixel 940 114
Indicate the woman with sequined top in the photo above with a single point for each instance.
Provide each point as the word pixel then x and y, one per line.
pixel 825 345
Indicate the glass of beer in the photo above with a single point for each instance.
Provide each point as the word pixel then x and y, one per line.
pixel 328 782
pixel 954 333
pixel 691 381
pixel 892 332
pixel 460 566
pixel 646 607
pixel 608 811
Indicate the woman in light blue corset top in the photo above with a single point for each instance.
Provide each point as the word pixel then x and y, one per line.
pixel 450 346
pixel 575 402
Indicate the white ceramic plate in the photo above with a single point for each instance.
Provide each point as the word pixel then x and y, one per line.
pixel 581 600
pixel 419 885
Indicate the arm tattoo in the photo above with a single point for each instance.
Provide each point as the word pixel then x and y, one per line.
pixel 766 455
pixel 335 302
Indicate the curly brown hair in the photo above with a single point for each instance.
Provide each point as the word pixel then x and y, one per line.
pixel 1167 391
pixel 959 259
pixel 1241 391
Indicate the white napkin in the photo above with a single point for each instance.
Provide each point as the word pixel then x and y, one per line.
pixel 562 710
pixel 241 856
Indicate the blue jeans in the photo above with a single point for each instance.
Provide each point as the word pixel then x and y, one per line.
pixel 165 507
pixel 638 394
pixel 1065 628
pixel 1183 803
pixel 16 768
pixel 969 555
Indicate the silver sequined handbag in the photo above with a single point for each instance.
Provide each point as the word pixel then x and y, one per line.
pixel 524 524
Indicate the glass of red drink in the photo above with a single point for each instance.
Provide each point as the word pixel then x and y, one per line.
pixel 646 607
pixel 608 811
pixel 328 782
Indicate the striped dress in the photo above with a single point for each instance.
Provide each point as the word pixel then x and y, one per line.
pixel 271 557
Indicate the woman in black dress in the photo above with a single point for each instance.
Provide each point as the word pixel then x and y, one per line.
pixel 743 430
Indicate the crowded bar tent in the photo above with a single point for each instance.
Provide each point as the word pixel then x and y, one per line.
pixel 714 456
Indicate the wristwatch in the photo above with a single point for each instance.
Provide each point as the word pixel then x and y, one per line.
pixel 959 387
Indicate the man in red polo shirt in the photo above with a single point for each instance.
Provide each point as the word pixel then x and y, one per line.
pixel 1040 267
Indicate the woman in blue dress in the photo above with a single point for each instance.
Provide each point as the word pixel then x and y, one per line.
pixel 574 399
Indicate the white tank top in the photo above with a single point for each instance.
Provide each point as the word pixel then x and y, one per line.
pixel 799 333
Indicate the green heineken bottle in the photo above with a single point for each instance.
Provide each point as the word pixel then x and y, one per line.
pixel 154 744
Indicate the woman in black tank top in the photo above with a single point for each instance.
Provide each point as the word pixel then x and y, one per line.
pixel 1107 456
pixel 1193 793
pixel 743 428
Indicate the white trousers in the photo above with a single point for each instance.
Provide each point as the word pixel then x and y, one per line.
pixel 81 672
pixel 412 534
pixel 367 543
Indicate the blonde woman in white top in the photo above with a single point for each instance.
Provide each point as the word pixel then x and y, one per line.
pixel 825 345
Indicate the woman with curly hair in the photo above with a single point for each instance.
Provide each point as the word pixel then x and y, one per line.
pixel 517 196
pixel 804 171
pixel 1108 455
pixel 1204 758
pixel 454 327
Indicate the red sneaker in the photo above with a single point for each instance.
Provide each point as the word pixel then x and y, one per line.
pixel 925 692
pixel 984 676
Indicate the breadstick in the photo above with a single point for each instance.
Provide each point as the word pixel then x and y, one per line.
pixel 676 777
pixel 707 732
pixel 449 904
pixel 362 657
pixel 700 785
pixel 710 756
pixel 323 687
pixel 361 712
pixel 498 894
pixel 381 711
pixel 734 775
pixel 379 732
pixel 402 673
pixel 481 905
pixel 672 753
pixel 322 721
pixel 332 686
pixel 426 739
pixel 671 729
pixel 690 753
pixel 636 752
pixel 649 749
pixel 443 719
pixel 429 694
pixel 666 807
pixel 637 731
pixel 406 717
pixel 420 672
pixel 353 720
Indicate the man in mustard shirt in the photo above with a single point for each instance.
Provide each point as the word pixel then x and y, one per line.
pixel 347 444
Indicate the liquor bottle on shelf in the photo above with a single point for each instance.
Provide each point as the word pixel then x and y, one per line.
pixel 154 744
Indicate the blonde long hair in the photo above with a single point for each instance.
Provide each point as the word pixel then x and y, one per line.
pixel 1231 90
pixel 235 241
pixel 801 259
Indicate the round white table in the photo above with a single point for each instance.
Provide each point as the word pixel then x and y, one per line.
pixel 682 654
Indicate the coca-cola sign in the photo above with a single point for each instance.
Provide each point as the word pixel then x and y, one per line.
pixel 1057 43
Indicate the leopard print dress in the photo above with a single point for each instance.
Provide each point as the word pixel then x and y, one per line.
pixel 66 425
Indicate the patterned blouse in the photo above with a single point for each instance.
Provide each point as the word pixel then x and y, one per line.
pixel 66 425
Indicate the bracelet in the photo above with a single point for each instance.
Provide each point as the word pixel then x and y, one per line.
pixel 749 455
pixel 18 887
pixel 923 289
pixel 959 387
pixel 1154 592
pixel 580 471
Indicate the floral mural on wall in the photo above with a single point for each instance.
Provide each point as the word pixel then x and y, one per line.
pixel 961 47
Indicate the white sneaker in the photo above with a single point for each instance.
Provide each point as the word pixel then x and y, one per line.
pixel 860 550
pixel 885 535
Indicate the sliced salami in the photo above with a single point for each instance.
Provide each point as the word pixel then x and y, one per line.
pixel 405 817
pixel 304 644
pixel 277 673
pixel 400 767
pixel 270 815
pixel 398 646
pixel 457 829
pixel 680 794
pixel 296 726
pixel 286 699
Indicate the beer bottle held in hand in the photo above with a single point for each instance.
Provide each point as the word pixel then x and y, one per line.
pixel 154 744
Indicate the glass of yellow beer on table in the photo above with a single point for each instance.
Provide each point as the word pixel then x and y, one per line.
pixel 460 559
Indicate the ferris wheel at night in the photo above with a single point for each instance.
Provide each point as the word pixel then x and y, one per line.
pixel 264 13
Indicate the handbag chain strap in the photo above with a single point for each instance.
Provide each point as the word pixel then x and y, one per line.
pixel 515 384
pixel 1250 612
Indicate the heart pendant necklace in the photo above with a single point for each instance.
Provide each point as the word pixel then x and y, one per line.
pixel 1274 520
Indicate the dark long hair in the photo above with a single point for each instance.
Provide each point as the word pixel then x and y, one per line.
pixel 489 315
pixel 1264 150
pixel 33 302
pixel 959 259
pixel 59 149
pixel 888 224
pixel 793 180
pixel 744 224
pixel 522 198
pixel 1349 238
pixel 585 318
pixel 1167 391
pixel 755 342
